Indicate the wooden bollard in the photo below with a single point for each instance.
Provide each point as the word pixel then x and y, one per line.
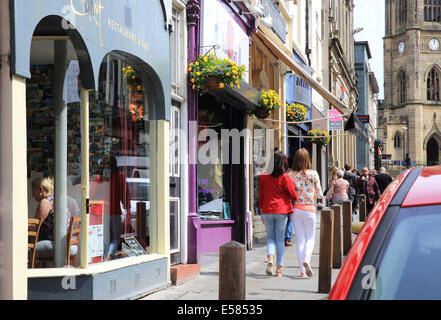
pixel 325 255
pixel 347 222
pixel 232 271
pixel 362 207
pixel 337 248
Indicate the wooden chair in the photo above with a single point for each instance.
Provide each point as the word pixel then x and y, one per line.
pixel 73 238
pixel 32 241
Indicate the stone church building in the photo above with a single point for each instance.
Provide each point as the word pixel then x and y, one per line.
pixel 410 117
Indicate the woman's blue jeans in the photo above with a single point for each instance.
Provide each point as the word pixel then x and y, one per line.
pixel 275 225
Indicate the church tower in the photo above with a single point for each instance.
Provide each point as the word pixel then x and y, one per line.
pixel 410 115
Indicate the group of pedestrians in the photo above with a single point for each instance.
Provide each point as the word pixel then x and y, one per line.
pixel 288 199
pixel 290 193
pixel 349 184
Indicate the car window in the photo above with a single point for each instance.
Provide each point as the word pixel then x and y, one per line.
pixel 411 262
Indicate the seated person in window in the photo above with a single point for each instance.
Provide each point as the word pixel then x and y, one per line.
pixel 42 192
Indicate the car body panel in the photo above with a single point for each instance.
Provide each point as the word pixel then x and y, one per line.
pixel 426 190
pixel 355 255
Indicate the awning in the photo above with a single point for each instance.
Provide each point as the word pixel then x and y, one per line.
pixel 355 126
pixel 246 98
pixel 325 93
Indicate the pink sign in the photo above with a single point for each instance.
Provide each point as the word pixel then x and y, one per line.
pixel 335 122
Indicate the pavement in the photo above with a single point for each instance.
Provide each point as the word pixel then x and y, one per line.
pixel 259 286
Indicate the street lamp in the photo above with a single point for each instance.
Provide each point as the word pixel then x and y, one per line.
pixel 404 143
pixel 357 30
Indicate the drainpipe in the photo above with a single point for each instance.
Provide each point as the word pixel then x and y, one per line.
pixel 194 231
pixel 307 49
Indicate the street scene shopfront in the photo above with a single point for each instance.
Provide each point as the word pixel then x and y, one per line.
pixel 96 116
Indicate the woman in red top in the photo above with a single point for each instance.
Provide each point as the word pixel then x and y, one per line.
pixel 276 191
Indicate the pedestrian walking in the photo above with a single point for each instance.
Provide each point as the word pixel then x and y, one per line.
pixel 338 192
pixel 333 177
pixel 383 179
pixel 368 186
pixel 276 191
pixel 352 193
pixel 307 185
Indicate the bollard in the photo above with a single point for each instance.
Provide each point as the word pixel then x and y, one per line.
pixel 337 248
pixel 347 222
pixel 325 255
pixel 232 271
pixel 362 207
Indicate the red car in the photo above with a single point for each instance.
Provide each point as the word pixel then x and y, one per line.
pixel 397 254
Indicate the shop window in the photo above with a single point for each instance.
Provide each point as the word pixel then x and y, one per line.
pixel 175 214
pixel 433 85
pixel 49 59
pixel 119 160
pixel 259 152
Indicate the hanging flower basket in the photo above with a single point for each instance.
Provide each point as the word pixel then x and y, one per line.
pixel 296 112
pixel 321 137
pixel 210 73
pixel 269 101
pixel 213 83
pixel 261 113
pixel 132 80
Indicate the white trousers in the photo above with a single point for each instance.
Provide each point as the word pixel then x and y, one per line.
pixel 304 227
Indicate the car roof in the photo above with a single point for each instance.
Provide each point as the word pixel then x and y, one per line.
pixel 426 190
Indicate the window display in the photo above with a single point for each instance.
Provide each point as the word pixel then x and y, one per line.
pixel 119 155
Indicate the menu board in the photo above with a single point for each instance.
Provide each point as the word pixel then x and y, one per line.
pixel 134 245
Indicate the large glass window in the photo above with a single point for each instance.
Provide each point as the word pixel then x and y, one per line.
pixel 53 92
pixel 119 160
pixel 212 175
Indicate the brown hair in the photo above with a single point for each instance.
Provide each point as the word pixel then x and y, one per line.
pixel 301 160
pixel 280 164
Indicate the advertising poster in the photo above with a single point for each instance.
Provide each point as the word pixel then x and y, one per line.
pixel 96 231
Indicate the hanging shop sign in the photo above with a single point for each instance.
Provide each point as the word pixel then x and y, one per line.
pixel 354 126
pixel 335 122
pixel 96 28
pixel 222 34
pixel 363 118
pixel 278 22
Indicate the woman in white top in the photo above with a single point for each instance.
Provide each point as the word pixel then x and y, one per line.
pixel 307 184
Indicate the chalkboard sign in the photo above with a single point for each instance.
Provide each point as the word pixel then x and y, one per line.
pixel 134 245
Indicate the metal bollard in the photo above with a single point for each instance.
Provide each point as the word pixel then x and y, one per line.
pixel 325 255
pixel 362 207
pixel 337 248
pixel 232 271
pixel 347 222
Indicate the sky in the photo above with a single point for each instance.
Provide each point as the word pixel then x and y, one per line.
pixel 369 14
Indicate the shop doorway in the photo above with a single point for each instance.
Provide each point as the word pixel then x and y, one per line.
pixel 432 152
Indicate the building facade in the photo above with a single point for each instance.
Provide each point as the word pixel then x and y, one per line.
pixel 366 104
pixel 409 118
pixel 342 78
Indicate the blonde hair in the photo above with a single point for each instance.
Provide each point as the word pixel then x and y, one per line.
pixel 46 183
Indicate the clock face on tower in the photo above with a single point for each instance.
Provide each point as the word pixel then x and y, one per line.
pixel 401 47
pixel 434 44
